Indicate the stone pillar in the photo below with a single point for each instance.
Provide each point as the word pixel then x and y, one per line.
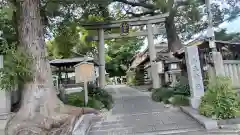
pixel 218 63
pixel 5 97
pixel 166 77
pixel 152 53
pixel 174 79
pixel 194 75
pixel 101 53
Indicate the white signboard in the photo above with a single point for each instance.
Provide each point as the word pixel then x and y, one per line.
pixel 194 75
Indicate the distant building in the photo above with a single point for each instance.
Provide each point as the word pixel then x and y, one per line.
pixel 140 64
pixel 64 70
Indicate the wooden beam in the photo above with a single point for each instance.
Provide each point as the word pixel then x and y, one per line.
pixel 133 34
pixel 132 22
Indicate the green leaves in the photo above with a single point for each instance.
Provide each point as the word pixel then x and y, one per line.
pixel 220 101
pixel 66 37
pixel 121 52
pixel 16 69
pixel 223 35
pixel 6 10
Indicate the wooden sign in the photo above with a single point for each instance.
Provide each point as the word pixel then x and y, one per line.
pixel 124 28
pixel 84 72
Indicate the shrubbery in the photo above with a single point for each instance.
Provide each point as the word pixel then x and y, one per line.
pixel 179 100
pixel 182 88
pixel 102 96
pixel 161 94
pixel 177 95
pixel 77 99
pixel 98 99
pixel 220 101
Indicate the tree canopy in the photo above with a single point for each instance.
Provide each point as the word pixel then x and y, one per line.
pixel 121 52
pixel 186 17
pixel 223 35
pixel 63 20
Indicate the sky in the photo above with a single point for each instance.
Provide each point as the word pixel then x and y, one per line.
pixel 230 26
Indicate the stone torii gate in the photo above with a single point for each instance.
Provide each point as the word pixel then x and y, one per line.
pixel 141 21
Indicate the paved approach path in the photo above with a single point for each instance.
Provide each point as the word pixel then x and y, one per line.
pixel 134 113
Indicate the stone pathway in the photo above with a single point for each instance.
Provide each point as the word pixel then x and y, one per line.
pixel 135 113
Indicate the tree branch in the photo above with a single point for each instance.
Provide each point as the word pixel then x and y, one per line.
pixel 137 4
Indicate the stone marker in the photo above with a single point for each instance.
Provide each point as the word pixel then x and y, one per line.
pixel 5 96
pixel 194 75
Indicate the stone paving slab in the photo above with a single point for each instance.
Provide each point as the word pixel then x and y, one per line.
pixel 135 113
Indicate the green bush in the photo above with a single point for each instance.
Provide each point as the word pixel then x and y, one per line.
pixel 182 87
pixel 179 100
pixel 150 89
pixel 102 96
pixel 161 94
pixel 98 98
pixel 77 99
pixel 220 101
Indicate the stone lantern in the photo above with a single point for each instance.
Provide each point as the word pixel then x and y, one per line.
pixel 172 70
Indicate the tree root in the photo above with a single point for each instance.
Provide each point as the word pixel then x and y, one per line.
pixel 59 124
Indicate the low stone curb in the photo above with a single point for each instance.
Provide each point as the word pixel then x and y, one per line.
pixel 84 124
pixel 208 123
pixel 5 116
pixel 235 127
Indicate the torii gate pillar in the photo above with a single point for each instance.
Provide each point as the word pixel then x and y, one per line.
pixel 152 54
pixel 101 56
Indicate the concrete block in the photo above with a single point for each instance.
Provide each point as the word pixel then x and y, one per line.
pixel 208 123
pixel 5 104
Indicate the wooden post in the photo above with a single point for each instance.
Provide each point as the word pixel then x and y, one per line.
pixel 85 92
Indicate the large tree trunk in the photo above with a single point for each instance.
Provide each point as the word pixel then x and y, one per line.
pixel 41 111
pixel 174 42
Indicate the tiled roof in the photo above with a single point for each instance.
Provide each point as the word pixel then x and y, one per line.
pixel 71 60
